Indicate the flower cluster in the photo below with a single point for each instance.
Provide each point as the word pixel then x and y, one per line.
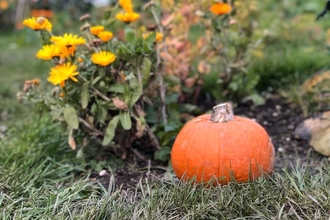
pixel 63 50
pixel 128 15
pixel 99 79
pixel 102 34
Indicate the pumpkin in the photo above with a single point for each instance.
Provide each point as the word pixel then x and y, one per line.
pixel 219 148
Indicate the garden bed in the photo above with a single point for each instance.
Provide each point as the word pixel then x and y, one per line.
pixel 276 116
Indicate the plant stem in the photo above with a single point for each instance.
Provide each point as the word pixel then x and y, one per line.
pixel 222 113
pixel 162 87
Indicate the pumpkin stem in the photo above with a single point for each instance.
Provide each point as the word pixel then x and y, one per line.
pixel 222 113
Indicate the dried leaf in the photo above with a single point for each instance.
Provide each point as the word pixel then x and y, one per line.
pixel 204 67
pixel 71 140
pixel 119 103
pixel 190 82
pixel 166 21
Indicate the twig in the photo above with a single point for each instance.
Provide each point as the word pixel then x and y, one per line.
pixel 96 91
pixel 162 88
pixel 90 127
pixel 101 94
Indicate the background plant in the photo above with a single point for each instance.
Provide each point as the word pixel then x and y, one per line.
pixel 208 54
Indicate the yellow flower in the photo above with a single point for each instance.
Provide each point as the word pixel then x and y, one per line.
pixel 48 52
pixel 95 30
pixel 67 44
pixel 220 8
pixel 127 17
pixel 60 73
pixel 159 36
pixel 103 58
pixel 38 24
pixel 126 5
pixel 67 51
pixel 105 36
pixel 68 40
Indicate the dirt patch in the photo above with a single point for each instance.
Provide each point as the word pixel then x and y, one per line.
pixel 276 116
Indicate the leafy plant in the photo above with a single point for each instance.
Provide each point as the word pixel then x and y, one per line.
pixel 209 50
pixel 99 82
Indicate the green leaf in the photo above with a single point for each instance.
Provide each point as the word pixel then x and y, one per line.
pixel 172 80
pixel 96 80
pixel 146 67
pixel 107 14
pixel 127 95
pixel 102 114
pixel 233 86
pixel 55 112
pixel 195 32
pixel 91 68
pixel 252 81
pixel 110 130
pixel 136 94
pixel 109 22
pixel 133 82
pixel 151 38
pixel 255 98
pixel 120 88
pixel 125 120
pixel 70 116
pixel 80 155
pixel 129 35
pixel 163 154
pixel 84 95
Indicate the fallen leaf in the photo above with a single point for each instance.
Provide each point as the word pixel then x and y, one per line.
pixel 119 103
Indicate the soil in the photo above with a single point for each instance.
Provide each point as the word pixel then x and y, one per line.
pixel 277 117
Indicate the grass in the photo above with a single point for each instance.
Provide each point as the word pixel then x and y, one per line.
pixel 41 179
pixel 17 64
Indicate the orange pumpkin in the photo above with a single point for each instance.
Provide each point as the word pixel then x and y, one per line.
pixel 220 148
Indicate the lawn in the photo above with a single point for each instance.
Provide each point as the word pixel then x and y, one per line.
pixel 42 178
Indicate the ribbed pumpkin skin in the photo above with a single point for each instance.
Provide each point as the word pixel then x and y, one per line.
pixel 206 150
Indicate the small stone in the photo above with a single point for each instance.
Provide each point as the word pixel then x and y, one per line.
pixel 102 172
pixel 278 107
pixel 275 114
pixel 280 149
pixel 291 127
pixel 288 139
pixel 265 122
